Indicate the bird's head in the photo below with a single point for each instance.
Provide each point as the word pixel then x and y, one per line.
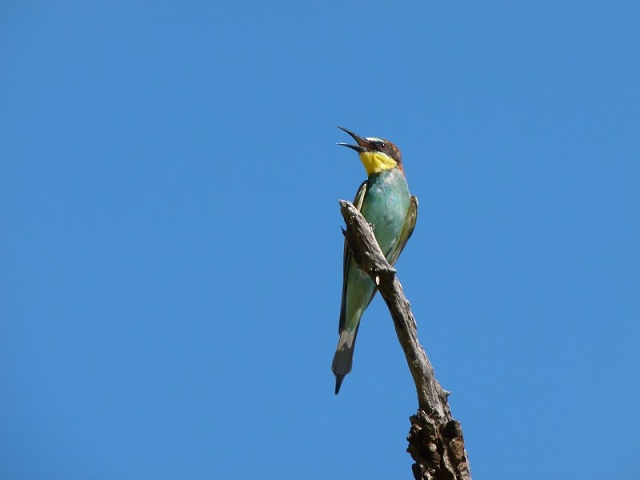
pixel 376 154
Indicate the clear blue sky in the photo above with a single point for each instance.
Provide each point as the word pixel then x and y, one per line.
pixel 171 246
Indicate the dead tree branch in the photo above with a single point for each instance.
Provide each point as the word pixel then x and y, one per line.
pixel 435 439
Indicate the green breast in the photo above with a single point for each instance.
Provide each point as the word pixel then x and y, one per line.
pixel 385 206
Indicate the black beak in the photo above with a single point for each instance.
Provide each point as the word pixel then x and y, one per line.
pixel 363 144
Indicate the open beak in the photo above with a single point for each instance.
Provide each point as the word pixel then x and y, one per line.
pixel 363 144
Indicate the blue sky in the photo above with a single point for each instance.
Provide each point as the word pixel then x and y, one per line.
pixel 171 247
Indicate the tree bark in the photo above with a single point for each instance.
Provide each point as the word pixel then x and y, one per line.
pixel 435 439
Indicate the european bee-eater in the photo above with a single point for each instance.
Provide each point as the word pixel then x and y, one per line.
pixel 385 202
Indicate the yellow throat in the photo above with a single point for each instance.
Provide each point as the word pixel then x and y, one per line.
pixel 375 162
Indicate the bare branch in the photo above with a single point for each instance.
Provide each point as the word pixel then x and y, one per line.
pixel 435 440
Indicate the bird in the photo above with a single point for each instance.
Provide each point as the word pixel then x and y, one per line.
pixel 385 202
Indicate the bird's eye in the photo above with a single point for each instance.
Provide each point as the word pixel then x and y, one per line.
pixel 383 145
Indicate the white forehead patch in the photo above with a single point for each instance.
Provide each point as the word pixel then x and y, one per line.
pixel 374 139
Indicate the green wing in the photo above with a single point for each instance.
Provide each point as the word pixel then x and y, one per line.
pixel 407 230
pixel 346 256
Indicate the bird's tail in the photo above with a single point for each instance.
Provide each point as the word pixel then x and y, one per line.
pixel 343 358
